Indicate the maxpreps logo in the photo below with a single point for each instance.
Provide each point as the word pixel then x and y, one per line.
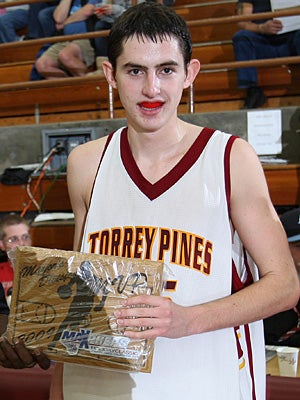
pixel 98 344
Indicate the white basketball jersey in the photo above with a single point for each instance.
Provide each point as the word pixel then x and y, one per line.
pixel 183 220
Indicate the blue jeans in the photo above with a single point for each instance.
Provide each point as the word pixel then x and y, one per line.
pixel 41 22
pixel 254 46
pixel 101 43
pixel 10 23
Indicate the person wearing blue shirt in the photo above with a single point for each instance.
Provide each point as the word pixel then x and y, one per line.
pixel 69 58
pixel 14 19
pixel 260 39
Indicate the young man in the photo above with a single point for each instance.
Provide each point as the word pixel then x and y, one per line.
pixel 182 194
pixel 256 40
pixel 14 231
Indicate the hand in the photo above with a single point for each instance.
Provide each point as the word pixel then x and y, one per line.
pixel 153 316
pixel 103 9
pixel 271 27
pixel 17 356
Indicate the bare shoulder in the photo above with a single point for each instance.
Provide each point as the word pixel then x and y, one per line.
pixel 243 157
pixel 87 155
pixel 83 162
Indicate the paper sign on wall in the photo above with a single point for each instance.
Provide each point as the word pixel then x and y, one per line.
pixel 291 23
pixel 264 131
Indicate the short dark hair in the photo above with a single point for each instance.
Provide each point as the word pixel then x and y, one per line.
pixel 149 20
pixel 9 220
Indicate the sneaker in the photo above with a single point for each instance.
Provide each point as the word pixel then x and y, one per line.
pixel 255 98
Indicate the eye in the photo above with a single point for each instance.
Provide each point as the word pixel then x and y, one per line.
pixel 167 70
pixel 135 71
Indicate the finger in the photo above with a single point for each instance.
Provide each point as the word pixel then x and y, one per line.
pixel 41 359
pixel 10 357
pixel 147 333
pixel 144 299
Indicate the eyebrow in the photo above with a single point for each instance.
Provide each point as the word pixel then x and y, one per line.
pixel 164 64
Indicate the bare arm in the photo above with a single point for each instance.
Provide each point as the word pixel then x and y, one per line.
pixel 259 227
pixel 61 12
pixel 81 15
pixel 62 17
pixel 82 166
pixel 272 26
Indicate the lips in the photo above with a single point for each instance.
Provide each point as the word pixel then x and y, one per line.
pixel 148 104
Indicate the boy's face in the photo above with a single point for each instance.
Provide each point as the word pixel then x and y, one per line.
pixel 15 235
pixel 150 78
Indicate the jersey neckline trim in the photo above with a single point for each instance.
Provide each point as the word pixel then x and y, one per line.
pixel 153 191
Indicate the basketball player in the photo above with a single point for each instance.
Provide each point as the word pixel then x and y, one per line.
pixel 168 190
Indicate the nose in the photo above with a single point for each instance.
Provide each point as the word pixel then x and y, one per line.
pixel 151 85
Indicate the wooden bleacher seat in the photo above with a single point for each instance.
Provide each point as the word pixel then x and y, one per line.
pixel 81 99
pixel 29 383
pixel 282 388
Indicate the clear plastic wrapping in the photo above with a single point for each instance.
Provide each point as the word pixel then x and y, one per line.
pixel 64 301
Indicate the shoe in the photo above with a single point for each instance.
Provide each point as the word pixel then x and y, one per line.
pixel 255 98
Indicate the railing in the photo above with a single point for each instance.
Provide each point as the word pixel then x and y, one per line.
pixel 196 23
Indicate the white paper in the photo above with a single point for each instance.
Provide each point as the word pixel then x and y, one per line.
pixel 291 23
pixel 264 131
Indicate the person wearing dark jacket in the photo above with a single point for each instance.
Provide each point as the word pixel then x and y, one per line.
pixel 284 328
pixel 260 39
pixel 4 311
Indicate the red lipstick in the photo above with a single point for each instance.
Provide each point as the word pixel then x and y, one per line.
pixel 148 104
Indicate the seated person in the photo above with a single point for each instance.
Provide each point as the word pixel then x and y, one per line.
pixel 283 329
pixel 40 20
pixel 4 311
pixel 70 58
pixel 14 19
pixel 14 231
pixel 260 39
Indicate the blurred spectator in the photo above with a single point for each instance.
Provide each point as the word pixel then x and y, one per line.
pixel 14 19
pixel 14 231
pixel 283 329
pixel 73 58
pixel 257 40
pixel 4 311
pixel 40 20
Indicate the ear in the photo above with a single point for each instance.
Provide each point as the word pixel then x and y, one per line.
pixel 2 246
pixel 109 73
pixel 192 71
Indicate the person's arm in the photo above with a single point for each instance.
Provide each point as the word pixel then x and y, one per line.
pixel 62 17
pixel 81 15
pixel 270 27
pixel 258 225
pixel 61 12
pixel 82 166
pixel 56 387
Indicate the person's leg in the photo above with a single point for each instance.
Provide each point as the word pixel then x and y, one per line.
pixel 46 21
pixel 251 46
pixel 77 56
pixel 48 64
pixel 10 23
pixel 34 28
pixel 295 44
pixel 101 43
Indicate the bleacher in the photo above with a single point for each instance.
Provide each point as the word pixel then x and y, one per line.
pixel 79 99
pixel 212 24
